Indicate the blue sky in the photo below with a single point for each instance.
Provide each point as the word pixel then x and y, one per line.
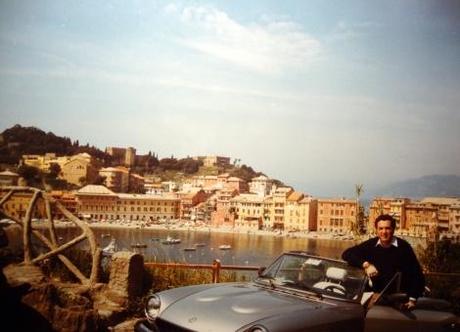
pixel 319 94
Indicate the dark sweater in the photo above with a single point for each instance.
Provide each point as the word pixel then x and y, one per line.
pixel 388 261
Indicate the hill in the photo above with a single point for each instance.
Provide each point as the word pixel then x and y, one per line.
pixel 18 140
pixel 430 185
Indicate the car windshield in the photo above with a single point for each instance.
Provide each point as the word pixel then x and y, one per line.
pixel 322 276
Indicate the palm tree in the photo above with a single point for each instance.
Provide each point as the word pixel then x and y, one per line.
pixel 359 226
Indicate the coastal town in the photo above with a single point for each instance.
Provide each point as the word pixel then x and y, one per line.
pixel 220 201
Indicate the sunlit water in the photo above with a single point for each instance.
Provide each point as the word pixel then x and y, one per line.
pixel 246 249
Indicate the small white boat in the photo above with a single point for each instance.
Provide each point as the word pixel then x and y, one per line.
pixel 170 240
pixel 225 247
pixel 110 249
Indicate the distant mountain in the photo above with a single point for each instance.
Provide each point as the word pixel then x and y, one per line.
pixel 430 185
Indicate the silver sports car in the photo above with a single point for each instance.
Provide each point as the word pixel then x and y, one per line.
pixel 298 292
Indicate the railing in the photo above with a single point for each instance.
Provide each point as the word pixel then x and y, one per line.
pixel 216 267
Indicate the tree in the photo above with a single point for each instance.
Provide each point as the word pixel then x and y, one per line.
pixel 358 226
pixel 29 173
pixel 54 170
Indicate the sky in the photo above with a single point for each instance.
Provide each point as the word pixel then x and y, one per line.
pixel 321 95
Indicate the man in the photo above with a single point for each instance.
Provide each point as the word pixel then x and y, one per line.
pixel 382 256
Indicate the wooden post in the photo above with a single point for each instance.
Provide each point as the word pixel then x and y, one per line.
pixel 216 271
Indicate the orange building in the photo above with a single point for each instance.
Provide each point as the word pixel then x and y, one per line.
pixel 336 215
pixel 395 207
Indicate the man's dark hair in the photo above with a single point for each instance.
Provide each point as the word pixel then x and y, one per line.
pixel 386 217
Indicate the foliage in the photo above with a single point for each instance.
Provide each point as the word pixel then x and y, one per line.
pixel 443 256
pixel 244 172
pixel 185 165
pixel 165 278
pixel 19 140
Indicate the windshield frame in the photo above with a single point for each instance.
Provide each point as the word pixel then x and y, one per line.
pixel 287 272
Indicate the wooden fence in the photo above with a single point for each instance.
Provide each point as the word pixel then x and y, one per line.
pixel 216 267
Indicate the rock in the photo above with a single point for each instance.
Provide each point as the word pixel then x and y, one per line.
pixel 17 274
pixel 127 326
pixel 127 274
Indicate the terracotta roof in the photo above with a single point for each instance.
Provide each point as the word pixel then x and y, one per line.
pixel 441 200
pixel 295 196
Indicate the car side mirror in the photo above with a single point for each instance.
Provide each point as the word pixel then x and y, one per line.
pixel 261 270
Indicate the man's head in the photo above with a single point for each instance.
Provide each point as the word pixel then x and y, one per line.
pixel 385 226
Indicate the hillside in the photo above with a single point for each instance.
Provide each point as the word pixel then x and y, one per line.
pixel 18 140
pixel 430 185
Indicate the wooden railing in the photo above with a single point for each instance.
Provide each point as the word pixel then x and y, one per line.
pixel 216 267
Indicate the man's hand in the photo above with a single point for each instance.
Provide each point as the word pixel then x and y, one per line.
pixel 370 269
pixel 409 305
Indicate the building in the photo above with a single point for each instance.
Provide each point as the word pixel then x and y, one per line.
pixel 116 178
pixel 431 215
pixel 43 162
pixel 210 161
pixel 136 183
pixel 189 199
pixel 8 178
pixel 224 215
pixel 16 206
pixel 249 211
pixel 98 203
pixel 336 215
pixel 68 200
pixel 75 169
pixel 261 185
pixel 300 212
pixel 234 183
pixel 79 169
pixel 395 207
pixel 274 208
pixel 122 156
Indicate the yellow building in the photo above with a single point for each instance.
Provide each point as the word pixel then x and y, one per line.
pixel 336 215
pixel 43 162
pixel 300 213
pixel 249 211
pixel 79 169
pixel 101 204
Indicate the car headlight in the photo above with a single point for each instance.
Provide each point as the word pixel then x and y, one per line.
pixel 152 308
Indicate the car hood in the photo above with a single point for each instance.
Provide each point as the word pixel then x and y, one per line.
pixel 231 306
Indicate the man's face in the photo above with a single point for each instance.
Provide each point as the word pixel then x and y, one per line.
pixel 385 231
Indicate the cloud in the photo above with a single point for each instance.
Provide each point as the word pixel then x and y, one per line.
pixel 346 31
pixel 267 47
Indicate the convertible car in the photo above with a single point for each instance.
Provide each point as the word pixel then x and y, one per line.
pixel 298 292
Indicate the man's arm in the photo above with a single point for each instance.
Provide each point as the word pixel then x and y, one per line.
pixel 357 255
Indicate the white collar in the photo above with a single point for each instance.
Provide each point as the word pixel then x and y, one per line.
pixel 394 242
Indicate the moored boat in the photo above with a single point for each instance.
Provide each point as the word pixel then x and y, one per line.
pixel 189 249
pixel 225 247
pixel 170 240
pixel 138 245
